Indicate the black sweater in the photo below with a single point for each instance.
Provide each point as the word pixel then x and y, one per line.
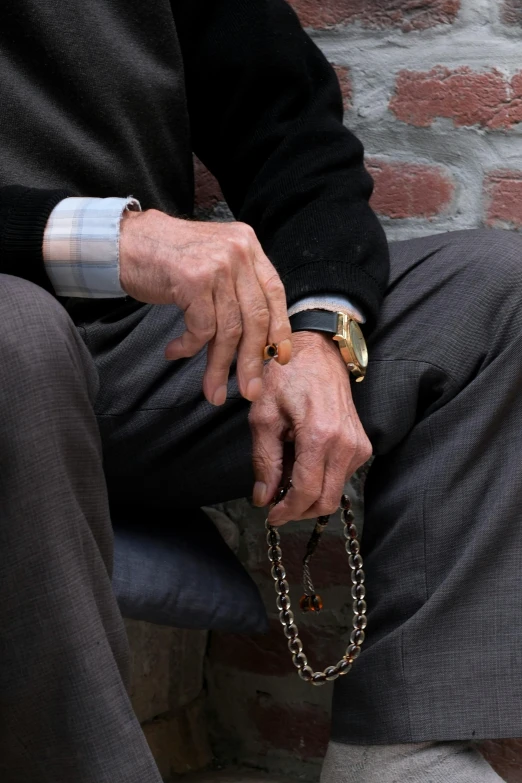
pixel 110 98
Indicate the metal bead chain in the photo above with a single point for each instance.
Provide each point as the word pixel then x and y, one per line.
pixel 286 615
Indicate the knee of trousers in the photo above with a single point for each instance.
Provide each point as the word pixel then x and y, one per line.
pixel 494 259
pixel 38 340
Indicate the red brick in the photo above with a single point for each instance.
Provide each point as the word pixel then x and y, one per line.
pixel 345 83
pixel 405 14
pixel 503 189
pixel 268 654
pixel 512 12
pixel 487 99
pixel 505 756
pixel 208 193
pixel 405 190
pixel 301 729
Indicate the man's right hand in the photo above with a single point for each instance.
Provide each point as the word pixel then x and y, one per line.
pixel 217 273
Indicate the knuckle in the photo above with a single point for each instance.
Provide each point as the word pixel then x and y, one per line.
pixel 274 285
pixel 326 432
pixel 233 326
pixel 261 316
pixel 261 419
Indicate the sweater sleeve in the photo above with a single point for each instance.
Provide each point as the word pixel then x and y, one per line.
pixel 23 216
pixel 266 117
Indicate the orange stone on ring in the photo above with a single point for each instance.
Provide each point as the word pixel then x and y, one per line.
pixel 311 603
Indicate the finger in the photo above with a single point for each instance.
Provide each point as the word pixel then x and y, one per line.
pixel 307 482
pixel 334 480
pixel 200 323
pixel 267 458
pixel 279 330
pixel 222 348
pixel 255 317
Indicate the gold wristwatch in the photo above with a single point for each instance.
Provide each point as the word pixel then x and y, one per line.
pixel 344 330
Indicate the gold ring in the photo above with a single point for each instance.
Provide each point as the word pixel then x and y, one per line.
pixel 270 352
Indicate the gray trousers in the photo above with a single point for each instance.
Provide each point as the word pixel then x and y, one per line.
pixel 442 538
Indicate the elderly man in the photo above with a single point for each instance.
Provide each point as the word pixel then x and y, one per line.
pixel 99 289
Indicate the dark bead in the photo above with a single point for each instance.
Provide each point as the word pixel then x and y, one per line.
pixel 306 673
pixel 331 673
pixel 286 616
pixel 278 571
pixel 347 515
pixel 352 531
pixel 311 603
pixel 300 660
pixel 359 606
pixel 282 586
pixel 358 591
pixel 355 561
pixel 357 637
pixel 319 678
pixel 283 602
pixel 291 630
pixel 275 554
pixel 360 622
pixel 345 502
pixel 358 576
pixel 353 652
pixel 295 646
pixel 344 666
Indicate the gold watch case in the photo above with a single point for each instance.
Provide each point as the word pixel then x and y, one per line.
pixel 352 345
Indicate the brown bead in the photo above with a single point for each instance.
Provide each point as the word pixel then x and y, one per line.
pixel 311 603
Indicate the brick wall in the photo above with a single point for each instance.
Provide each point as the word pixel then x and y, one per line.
pixel 434 90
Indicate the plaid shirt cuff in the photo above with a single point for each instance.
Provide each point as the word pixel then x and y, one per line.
pixel 81 246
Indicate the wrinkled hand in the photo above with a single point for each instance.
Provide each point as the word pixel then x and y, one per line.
pixel 309 402
pixel 217 273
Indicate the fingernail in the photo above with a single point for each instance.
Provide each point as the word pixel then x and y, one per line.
pixel 254 389
pixel 220 396
pixel 259 494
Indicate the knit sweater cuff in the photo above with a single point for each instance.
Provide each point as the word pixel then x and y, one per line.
pixel 21 238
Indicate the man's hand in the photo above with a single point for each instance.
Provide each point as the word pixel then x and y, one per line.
pixel 309 402
pixel 217 273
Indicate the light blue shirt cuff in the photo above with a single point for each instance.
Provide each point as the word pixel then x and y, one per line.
pixel 81 246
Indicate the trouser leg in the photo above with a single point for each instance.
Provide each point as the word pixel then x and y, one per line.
pixel 442 540
pixel 64 712
pixel 425 762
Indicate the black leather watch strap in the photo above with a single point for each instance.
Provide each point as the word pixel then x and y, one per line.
pixel 314 321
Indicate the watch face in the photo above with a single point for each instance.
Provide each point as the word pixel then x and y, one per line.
pixel 358 344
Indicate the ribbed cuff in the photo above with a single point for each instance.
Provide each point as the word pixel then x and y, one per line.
pixel 22 235
pixel 349 281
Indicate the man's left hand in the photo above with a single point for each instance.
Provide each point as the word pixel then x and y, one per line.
pixel 309 402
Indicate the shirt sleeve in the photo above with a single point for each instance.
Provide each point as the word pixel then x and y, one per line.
pixel 81 246
pixel 333 302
